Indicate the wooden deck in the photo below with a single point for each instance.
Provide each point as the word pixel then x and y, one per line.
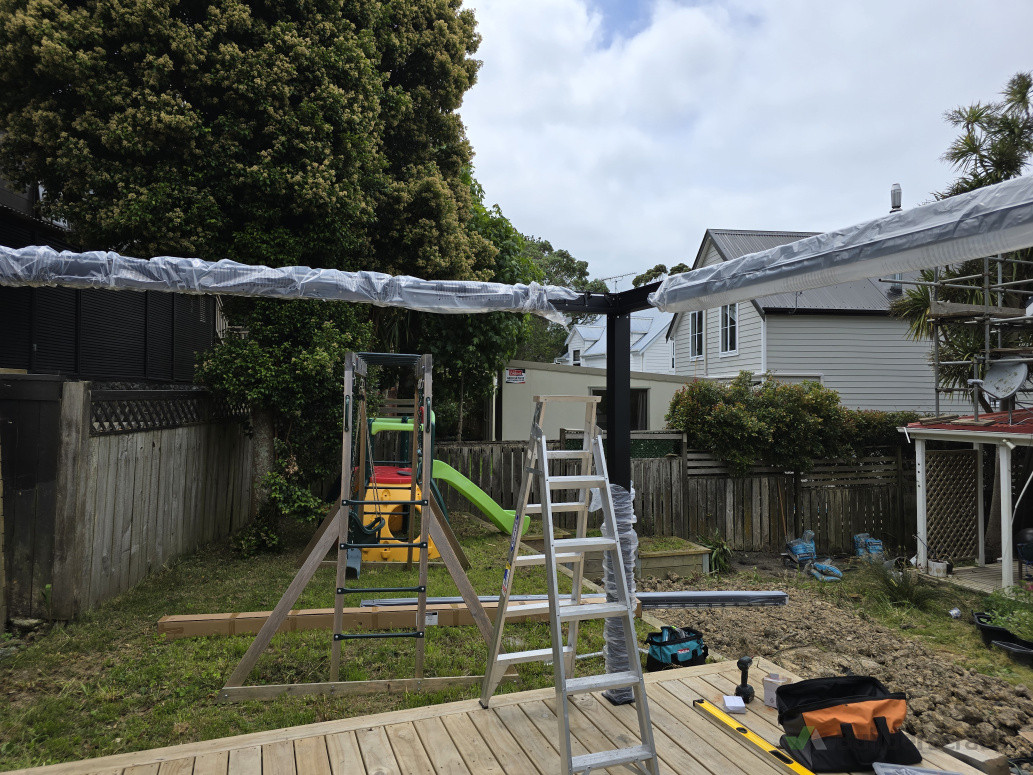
pixel 516 737
pixel 986 578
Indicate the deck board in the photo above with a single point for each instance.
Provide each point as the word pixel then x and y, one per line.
pixel 516 736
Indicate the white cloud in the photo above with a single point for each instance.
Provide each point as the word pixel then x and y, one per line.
pixel 793 115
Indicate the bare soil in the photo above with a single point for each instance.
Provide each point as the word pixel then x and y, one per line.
pixel 814 636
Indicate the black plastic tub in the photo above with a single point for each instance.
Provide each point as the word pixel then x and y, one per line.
pixel 991 632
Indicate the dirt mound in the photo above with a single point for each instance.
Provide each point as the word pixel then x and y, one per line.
pixel 814 638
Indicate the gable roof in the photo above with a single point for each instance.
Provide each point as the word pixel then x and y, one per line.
pixel 646 326
pixel 858 296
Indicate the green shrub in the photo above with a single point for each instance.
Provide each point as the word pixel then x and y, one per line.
pixel 720 552
pixel 903 588
pixel 1013 610
pixel 774 422
pixel 867 429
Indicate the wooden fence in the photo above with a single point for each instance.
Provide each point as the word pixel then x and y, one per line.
pixel 693 495
pixel 111 485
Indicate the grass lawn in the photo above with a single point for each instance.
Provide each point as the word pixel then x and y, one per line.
pixel 109 683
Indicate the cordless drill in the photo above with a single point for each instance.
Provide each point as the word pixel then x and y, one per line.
pixel 744 690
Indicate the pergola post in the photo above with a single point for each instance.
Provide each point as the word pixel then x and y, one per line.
pixel 980 507
pixel 1007 566
pixel 920 493
pixel 618 398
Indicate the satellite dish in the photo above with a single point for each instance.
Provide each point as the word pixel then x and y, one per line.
pixel 1002 380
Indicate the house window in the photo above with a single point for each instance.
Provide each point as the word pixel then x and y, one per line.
pixel 729 329
pixel 639 406
pixel 672 354
pixel 577 358
pixel 696 335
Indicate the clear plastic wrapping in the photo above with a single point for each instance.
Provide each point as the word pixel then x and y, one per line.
pixel 615 651
pixel 985 222
pixel 98 269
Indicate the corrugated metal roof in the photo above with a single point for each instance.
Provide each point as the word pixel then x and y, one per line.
pixel 856 296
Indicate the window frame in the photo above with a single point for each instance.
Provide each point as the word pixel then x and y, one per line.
pixel 697 334
pixel 575 357
pixel 729 323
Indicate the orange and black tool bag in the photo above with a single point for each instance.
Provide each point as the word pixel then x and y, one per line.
pixel 844 723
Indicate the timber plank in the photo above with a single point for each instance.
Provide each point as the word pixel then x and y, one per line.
pixel 245 761
pixel 311 757
pixel 345 756
pixel 89 516
pixel 677 743
pixel 376 751
pixel 476 753
pixel 177 766
pixel 537 747
pixel 409 752
pixel 505 749
pixel 545 721
pixel 676 698
pixel 142 769
pixel 440 747
pixel 214 763
pixel 278 758
pixel 600 733
pixel 102 468
pixel 125 498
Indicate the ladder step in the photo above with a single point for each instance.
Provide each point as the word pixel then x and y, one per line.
pixel 592 761
pixel 575 482
pixel 568 454
pixel 571 612
pixel 534 655
pixel 595 683
pixel 536 508
pixel 588 544
pixel 562 558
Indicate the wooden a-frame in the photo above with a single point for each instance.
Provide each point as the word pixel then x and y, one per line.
pixel 334 530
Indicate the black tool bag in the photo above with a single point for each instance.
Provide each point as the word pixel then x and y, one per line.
pixel 674 647
pixel 844 723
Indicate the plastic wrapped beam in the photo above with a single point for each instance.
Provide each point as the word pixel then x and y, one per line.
pixel 39 266
pixel 615 651
pixel 991 220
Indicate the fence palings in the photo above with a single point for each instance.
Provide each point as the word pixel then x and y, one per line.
pixel 694 495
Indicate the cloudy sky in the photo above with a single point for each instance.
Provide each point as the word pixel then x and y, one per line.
pixel 622 129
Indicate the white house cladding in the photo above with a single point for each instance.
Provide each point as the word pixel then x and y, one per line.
pixel 841 335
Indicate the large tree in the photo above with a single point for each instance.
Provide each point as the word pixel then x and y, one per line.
pixel 274 132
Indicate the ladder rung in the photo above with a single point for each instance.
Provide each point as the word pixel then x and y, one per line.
pixel 575 482
pixel 536 508
pixel 572 612
pixel 562 558
pixel 595 683
pixel 592 761
pixel 534 655
pixel 568 399
pixel 589 544
pixel 568 454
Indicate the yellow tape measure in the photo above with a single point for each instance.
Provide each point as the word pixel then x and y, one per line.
pixel 752 737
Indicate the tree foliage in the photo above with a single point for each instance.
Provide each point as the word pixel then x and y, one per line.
pixel 544 341
pixel 273 132
pixel 775 423
pixel 658 272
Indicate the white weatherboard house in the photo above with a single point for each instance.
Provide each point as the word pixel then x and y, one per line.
pixel 841 335
pixel 650 350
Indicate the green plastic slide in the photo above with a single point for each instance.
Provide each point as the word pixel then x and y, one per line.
pixel 500 517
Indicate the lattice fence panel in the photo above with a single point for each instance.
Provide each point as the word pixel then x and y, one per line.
pixel 951 504
pixel 130 411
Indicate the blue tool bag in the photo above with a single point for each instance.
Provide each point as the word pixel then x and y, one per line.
pixel 673 647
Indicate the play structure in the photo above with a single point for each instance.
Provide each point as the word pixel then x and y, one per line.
pixel 386 510
pixel 384 525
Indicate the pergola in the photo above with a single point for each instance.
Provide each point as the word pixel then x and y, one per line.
pixel 991 220
pixel 1005 431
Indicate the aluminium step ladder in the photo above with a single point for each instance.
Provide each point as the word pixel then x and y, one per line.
pixel 571 610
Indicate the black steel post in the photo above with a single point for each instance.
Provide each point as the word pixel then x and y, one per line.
pixel 618 398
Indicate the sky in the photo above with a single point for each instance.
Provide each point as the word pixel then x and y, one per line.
pixel 622 130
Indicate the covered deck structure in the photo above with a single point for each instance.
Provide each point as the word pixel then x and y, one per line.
pixel 1005 431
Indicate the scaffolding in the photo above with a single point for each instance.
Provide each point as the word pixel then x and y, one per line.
pixel 990 295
